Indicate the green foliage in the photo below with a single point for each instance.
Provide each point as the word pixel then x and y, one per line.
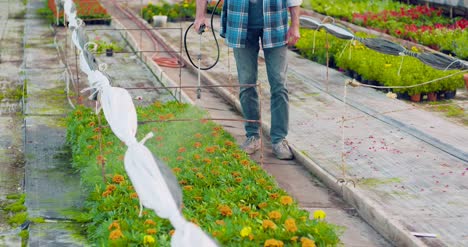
pixel 12 93
pixel 385 69
pixel 46 13
pixel 174 12
pixel 17 219
pixel 102 46
pixel 223 190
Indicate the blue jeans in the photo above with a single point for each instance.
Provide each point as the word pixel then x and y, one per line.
pixel 247 70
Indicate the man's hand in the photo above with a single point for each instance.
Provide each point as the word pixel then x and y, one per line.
pixel 200 15
pixel 293 35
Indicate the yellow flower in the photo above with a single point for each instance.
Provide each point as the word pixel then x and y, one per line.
pixel 274 215
pixel 414 49
pixel 268 224
pixel 387 65
pixel 319 214
pixel 290 225
pixel 147 239
pixel 115 234
pixel 294 239
pixel 307 242
pixel 274 195
pixel 286 200
pixel 262 205
pixel 273 243
pixel 246 231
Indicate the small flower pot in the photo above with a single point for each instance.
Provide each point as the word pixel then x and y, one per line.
pixel 450 94
pixel 109 52
pixel 432 96
pixel 415 97
pixel 465 77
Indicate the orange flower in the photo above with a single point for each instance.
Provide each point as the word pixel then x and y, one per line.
pixel 236 155
pixel 254 168
pixel 238 179
pixel 236 174
pixel 182 182
pixel 171 232
pixel 176 169
pixel 151 231
pixel 91 124
pixel 245 208
pixel 228 143
pixel 200 176
pixel 215 172
pixel 149 222
pixel 97 129
pixel 111 187
pixel 244 162
pixel 263 205
pixel 217 128
pixel 307 242
pixel 225 163
pixel 274 195
pixel 181 150
pixel 106 193
pixel 210 149
pixel 115 234
pixel 269 187
pixel 253 214
pixel 133 195
pixel 268 224
pixel 225 210
pixel 159 138
pixel 114 225
pixel 120 158
pixel 274 215
pixel 220 222
pixel 294 239
pixel 207 161
pixel 188 187
pixel 273 243
pixel 290 225
pixel 198 135
pixel 180 158
pixel 215 233
pixel 198 198
pixel 197 144
pixel 118 179
pixel 109 143
pixel 90 147
pixel 195 169
pixel 286 200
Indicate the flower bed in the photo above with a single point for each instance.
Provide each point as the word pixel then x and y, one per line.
pixel 420 24
pixel 374 67
pixel 224 192
pixel 90 11
pixel 177 11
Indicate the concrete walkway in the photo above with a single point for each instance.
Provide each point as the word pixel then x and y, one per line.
pixel 408 164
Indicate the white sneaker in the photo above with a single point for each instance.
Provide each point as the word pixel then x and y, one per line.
pixel 251 144
pixel 282 150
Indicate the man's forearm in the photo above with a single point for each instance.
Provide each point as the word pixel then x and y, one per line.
pixel 294 13
pixel 201 8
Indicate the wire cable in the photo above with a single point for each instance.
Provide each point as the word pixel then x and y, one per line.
pixel 214 36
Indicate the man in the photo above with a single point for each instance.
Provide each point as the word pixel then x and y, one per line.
pixel 244 23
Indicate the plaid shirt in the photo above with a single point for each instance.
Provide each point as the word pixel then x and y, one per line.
pixel 234 22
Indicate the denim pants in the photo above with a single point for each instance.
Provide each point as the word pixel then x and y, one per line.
pixel 247 70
